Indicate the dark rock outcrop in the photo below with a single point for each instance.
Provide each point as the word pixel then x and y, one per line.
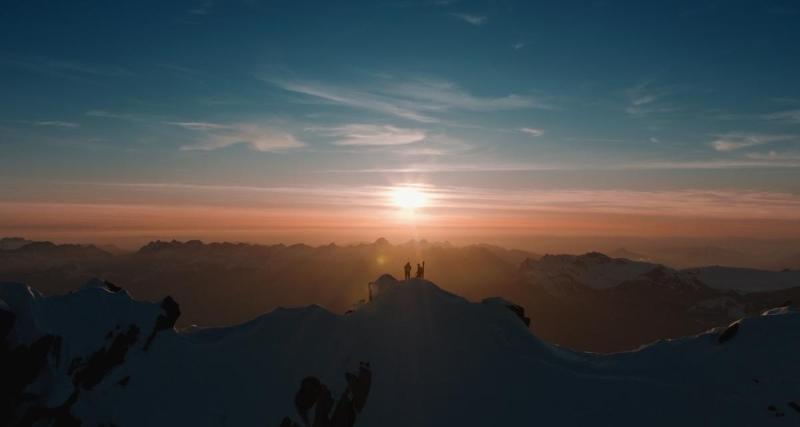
pixel 102 361
pixel 19 367
pixel 728 333
pixel 360 385
pixel 307 396
pixel 111 287
pixel 60 416
pixel 172 312
pixel 287 422
pixel 520 312
pixel 314 394
pixel 6 322
pixel 323 407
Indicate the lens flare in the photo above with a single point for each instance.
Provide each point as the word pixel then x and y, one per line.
pixel 408 198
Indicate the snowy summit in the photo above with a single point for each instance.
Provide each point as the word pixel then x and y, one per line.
pixel 415 355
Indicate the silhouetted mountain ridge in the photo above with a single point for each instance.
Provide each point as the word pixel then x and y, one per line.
pixel 609 304
pixel 590 301
pixel 415 355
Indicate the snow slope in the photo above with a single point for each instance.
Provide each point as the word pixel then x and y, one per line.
pixel 436 359
pixel 745 279
pixel 559 273
pixel 595 270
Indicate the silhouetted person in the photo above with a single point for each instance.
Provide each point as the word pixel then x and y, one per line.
pixel 422 271
pixel 407 270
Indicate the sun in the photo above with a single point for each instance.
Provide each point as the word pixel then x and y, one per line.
pixel 408 198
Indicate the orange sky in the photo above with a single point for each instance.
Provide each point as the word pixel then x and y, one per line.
pixel 449 214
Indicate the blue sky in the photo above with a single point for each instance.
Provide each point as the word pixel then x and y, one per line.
pixel 518 97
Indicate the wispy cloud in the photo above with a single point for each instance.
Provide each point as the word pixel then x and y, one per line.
pixel 476 20
pixel 685 203
pixel 532 132
pixel 435 145
pixel 201 126
pixel 113 115
pixel 643 99
pixel 418 100
pixel 749 162
pixel 56 123
pixel 788 116
pixel 713 164
pixel 215 136
pixel 65 68
pixel 488 201
pixel 518 45
pixel 356 99
pixel 203 9
pixel 773 155
pixel 185 73
pixel 735 141
pixel 443 95
pixel 372 135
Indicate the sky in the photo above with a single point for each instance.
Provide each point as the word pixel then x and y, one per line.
pixel 299 121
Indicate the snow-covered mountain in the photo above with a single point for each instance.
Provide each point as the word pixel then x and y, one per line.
pixel 596 302
pixel 266 276
pixel 594 269
pixel 745 279
pixel 416 355
pixel 557 273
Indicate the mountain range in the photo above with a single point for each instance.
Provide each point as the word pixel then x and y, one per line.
pixel 589 302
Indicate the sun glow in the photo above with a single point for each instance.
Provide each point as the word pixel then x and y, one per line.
pixel 409 198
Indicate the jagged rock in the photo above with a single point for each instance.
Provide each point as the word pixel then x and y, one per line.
pixel 112 287
pixel 74 364
pixel 323 407
pixel 6 321
pixel 729 332
pixel 360 385
pixel 172 312
pixel 24 363
pixel 520 312
pixel 314 394
pixel 19 367
pixel 55 350
pixel 516 309
pixel 102 361
pixel 307 396
pixel 345 414
pixel 287 422
pixel 59 415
